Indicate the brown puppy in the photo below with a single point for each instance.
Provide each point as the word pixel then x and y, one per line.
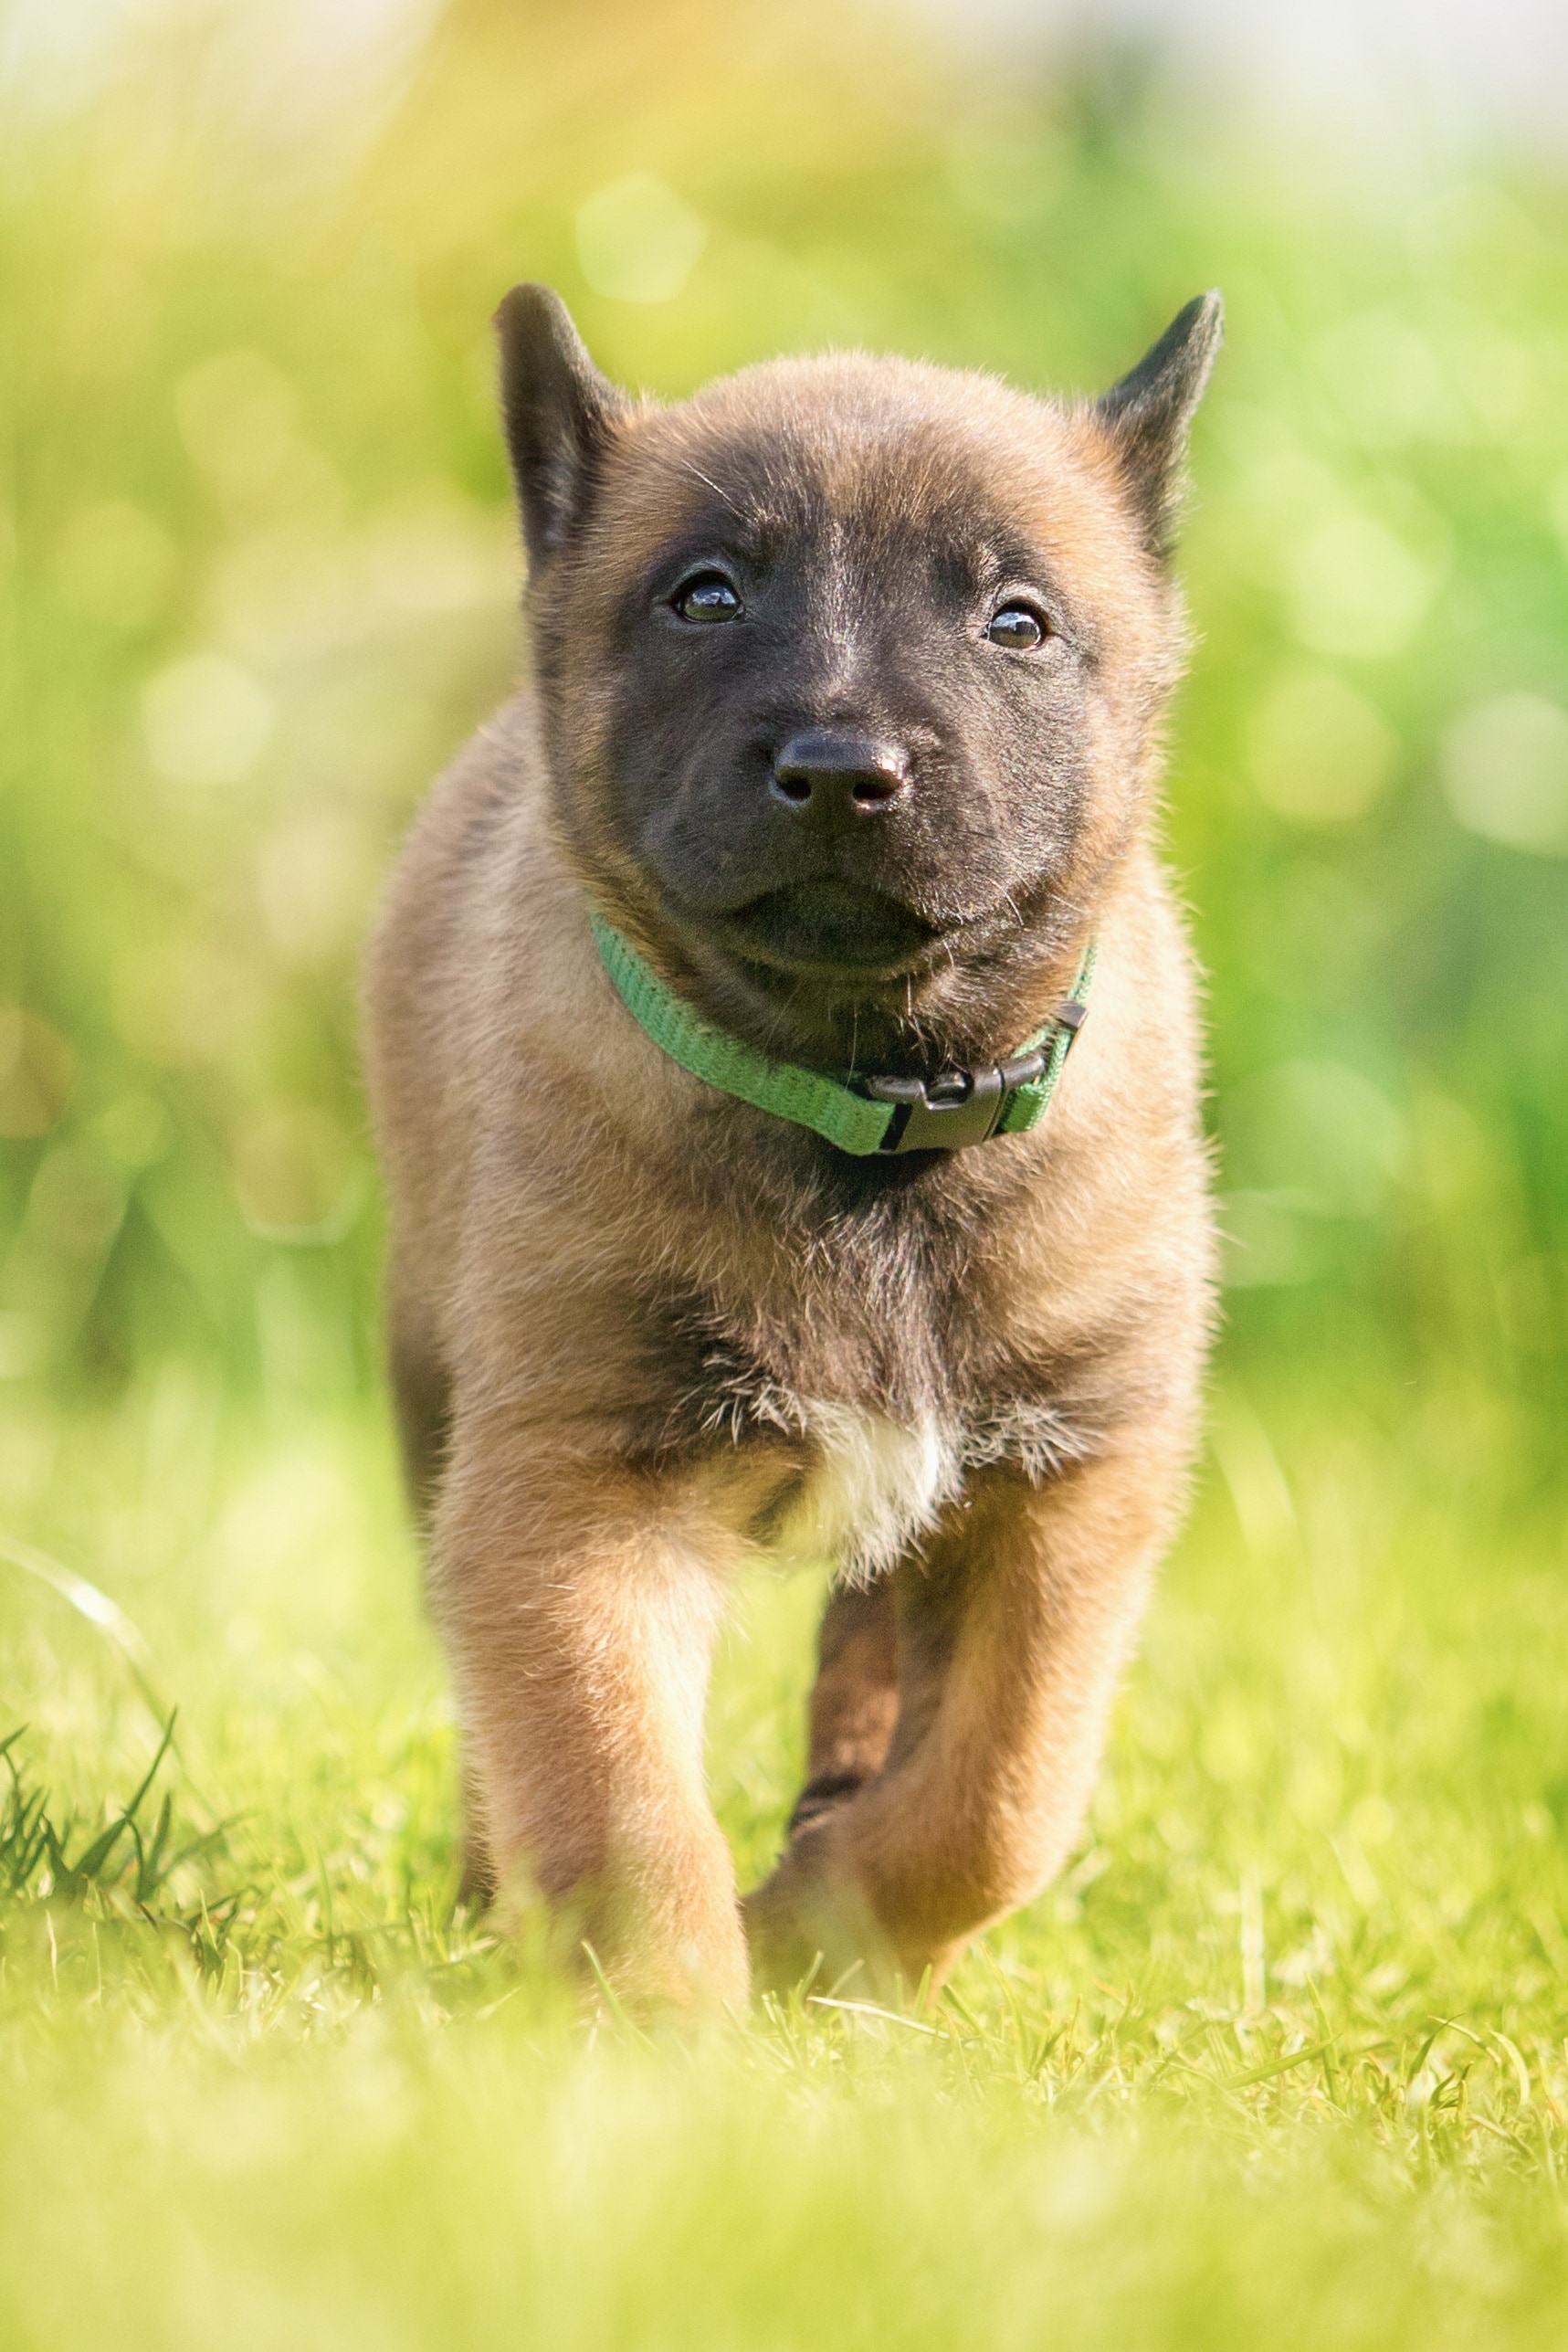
pixel 849 678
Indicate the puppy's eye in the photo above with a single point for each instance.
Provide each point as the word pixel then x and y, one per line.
pixel 706 596
pixel 1017 627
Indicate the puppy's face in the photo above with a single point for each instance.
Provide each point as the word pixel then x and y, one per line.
pixel 849 667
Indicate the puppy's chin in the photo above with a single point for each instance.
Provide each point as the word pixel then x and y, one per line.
pixel 836 932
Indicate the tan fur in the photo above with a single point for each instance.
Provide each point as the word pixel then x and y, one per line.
pixel 586 1242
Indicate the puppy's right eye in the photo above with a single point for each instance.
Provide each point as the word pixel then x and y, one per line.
pixel 706 596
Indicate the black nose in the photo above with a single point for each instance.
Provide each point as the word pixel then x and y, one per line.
pixel 829 778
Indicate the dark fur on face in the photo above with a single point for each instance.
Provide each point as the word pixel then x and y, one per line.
pixel 869 519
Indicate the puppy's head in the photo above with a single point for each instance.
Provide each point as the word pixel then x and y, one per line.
pixel 851 671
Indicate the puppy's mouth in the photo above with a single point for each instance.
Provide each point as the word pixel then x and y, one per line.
pixel 828 927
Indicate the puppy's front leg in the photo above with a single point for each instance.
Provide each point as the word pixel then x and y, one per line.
pixel 579 1601
pixel 1013 1630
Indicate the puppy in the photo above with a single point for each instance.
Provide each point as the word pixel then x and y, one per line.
pixel 744 1192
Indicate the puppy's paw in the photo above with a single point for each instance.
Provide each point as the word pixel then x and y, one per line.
pixel 806 1922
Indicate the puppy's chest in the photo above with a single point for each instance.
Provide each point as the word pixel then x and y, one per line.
pixel 888 1385
pixel 869 1489
pixel 875 1474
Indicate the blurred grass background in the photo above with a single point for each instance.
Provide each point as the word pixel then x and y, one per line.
pixel 257 580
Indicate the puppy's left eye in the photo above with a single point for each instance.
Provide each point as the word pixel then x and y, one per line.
pixel 1017 628
pixel 706 596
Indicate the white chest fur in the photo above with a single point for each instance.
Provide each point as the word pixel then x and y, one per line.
pixel 873 1487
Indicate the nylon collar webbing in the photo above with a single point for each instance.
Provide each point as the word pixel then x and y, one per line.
pixel 865 1115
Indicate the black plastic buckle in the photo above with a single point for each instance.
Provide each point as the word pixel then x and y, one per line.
pixel 959 1107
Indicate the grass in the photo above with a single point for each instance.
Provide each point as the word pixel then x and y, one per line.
pixel 1280 2059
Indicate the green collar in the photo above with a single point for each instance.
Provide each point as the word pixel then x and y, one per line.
pixel 862 1115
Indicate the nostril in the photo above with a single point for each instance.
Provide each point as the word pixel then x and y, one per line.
pixel 792 786
pixel 870 791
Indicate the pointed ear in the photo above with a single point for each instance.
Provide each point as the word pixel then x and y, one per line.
pixel 1147 414
pixel 560 413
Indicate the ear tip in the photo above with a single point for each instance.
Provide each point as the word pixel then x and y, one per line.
pixel 532 307
pixel 1202 319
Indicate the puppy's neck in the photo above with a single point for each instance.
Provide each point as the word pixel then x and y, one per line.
pixel 976 1004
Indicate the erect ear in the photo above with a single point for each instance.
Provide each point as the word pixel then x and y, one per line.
pixel 560 413
pixel 1147 414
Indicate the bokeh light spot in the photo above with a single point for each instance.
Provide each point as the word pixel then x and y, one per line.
pixel 1505 771
pixel 206 720
pixel 636 241
pixel 313 881
pixel 295 1173
pixel 1319 752
pixel 1356 589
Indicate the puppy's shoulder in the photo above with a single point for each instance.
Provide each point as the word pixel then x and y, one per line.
pixel 496 781
pixel 420 965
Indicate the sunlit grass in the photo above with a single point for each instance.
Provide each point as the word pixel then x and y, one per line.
pixel 1283 2050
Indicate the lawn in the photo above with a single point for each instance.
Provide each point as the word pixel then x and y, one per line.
pixel 1282 2057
